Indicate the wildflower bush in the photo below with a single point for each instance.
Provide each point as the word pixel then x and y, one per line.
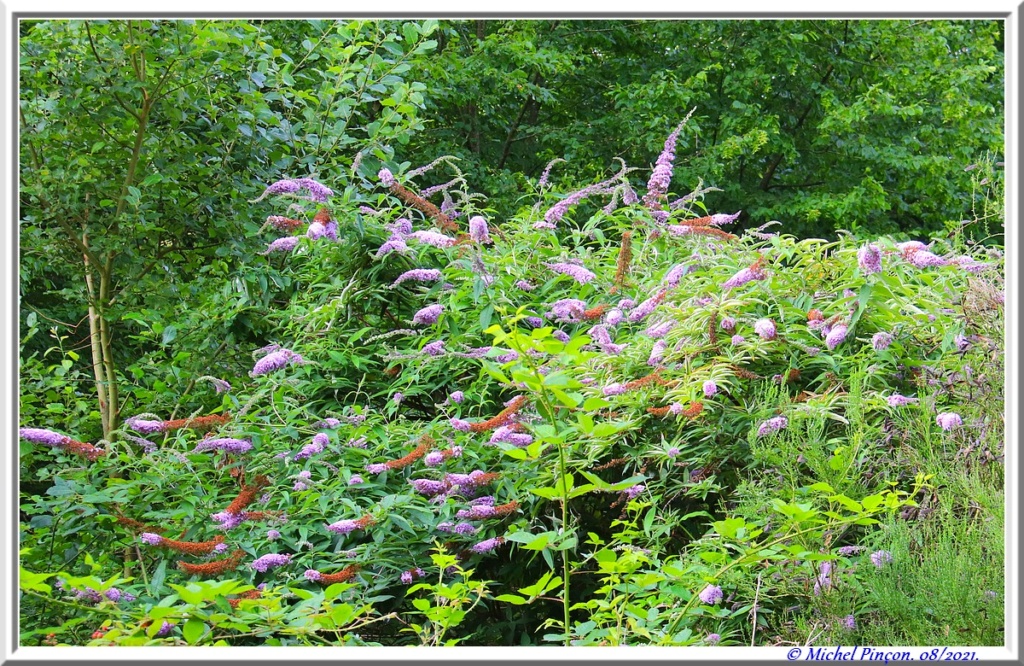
pixel 604 421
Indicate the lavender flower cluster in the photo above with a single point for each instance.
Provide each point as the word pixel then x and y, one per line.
pixel 226 444
pixel 275 361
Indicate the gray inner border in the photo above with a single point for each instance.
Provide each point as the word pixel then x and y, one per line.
pixel 16 17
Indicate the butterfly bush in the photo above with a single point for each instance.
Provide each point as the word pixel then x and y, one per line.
pixel 743 277
pixel 478 230
pixel 836 336
pixel 897 400
pixel 949 420
pixel 226 444
pixel 418 275
pixel 270 561
pixel 433 238
pixel 765 328
pixel 673 321
pixel 661 176
pixel 317 192
pixel 773 424
pixel 869 259
pixel 711 595
pixel 578 273
pixel 286 244
pixel 275 361
pixel 880 558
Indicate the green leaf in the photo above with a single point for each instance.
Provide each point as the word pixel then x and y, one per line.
pixel 34 581
pixel 511 598
pixel 193 630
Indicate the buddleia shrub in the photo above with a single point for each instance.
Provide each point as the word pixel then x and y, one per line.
pixel 559 427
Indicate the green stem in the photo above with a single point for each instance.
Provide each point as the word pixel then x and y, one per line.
pixel 565 490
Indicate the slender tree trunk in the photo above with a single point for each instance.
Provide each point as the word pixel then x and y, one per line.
pixel 98 367
pixel 107 350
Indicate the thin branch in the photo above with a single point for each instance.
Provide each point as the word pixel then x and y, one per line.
pixel 106 76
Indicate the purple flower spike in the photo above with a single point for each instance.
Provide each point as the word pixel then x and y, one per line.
pixel 836 336
pixel 568 310
pixel 326 424
pixel 435 348
pixel 429 487
pixel 657 353
pixel 226 444
pixel 661 176
pixel 151 539
pixel 728 323
pixel 275 361
pixel 897 400
pixel 487 546
pixel 578 273
pixel 273 534
pixel 41 436
pixel 850 623
pixel 393 244
pixel 313 575
pixel 881 341
pixel 433 238
pixel 710 388
pixel 660 330
pixel 145 427
pixel 713 639
pixel 418 275
pixel 428 315
pixel 614 389
pixel 387 179
pixel 316 231
pixel 614 317
pixel 765 328
pixel 741 278
pixel 718 219
pixel 924 259
pixel 711 595
pixel 457 397
pixel 270 561
pixel 478 230
pixel 869 259
pixel 675 274
pixel 949 420
pixel 738 340
pixel 355 480
pixel 880 558
pixel 317 192
pixel 344 526
pixel 772 425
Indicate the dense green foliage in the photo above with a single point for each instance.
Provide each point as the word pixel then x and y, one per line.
pixel 820 124
pixel 142 143
pixel 717 411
